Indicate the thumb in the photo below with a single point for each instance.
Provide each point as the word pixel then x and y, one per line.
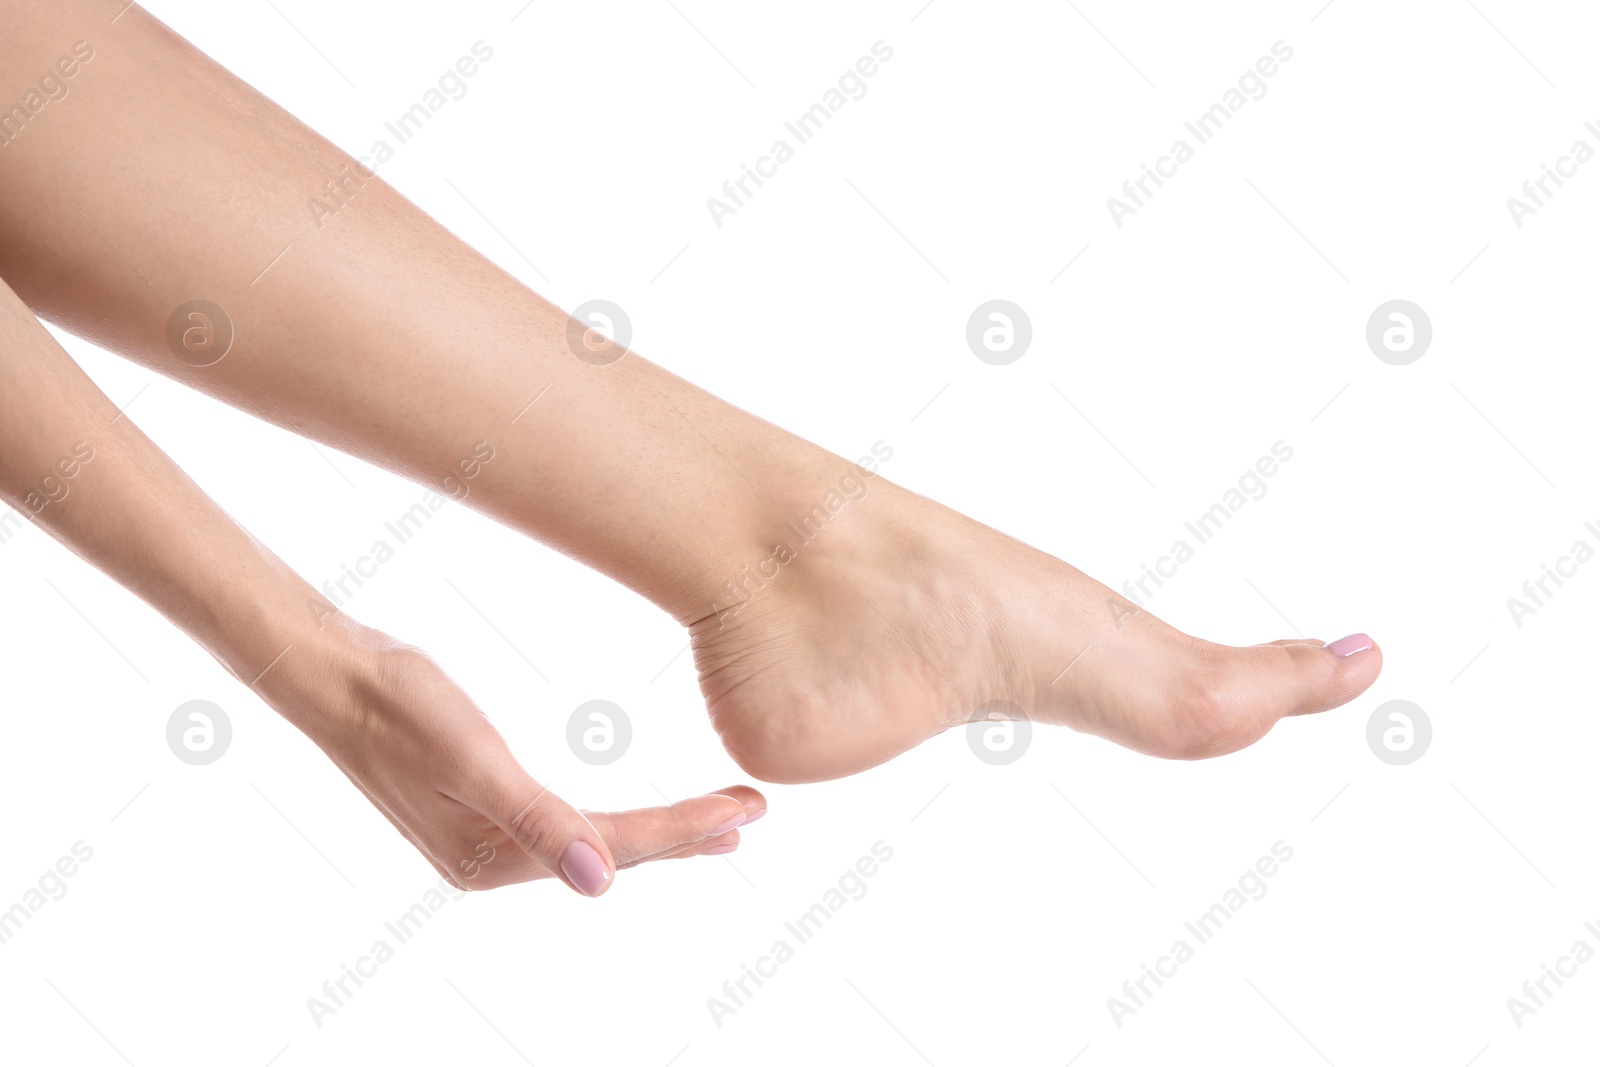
pixel 554 833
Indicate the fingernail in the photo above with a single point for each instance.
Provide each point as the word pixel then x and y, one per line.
pixel 719 850
pixel 752 818
pixel 723 827
pixel 1349 646
pixel 584 868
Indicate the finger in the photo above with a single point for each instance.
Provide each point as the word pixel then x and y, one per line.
pixel 711 846
pixel 646 833
pixel 753 802
pixel 547 828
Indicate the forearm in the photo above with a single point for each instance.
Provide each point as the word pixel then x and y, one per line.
pixel 407 736
pixel 623 466
pixel 92 480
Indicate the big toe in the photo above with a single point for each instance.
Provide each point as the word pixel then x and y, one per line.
pixel 1255 687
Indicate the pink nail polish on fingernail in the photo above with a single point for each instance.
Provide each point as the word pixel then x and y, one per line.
pixel 584 868
pixel 723 827
pixel 719 850
pixel 752 818
pixel 1349 646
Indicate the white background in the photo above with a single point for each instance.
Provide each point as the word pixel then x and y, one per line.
pixel 1226 315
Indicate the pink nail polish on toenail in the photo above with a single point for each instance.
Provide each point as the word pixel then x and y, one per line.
pixel 1349 646
pixel 583 865
pixel 723 827
pixel 719 850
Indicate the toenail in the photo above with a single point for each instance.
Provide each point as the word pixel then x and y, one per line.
pixel 1349 646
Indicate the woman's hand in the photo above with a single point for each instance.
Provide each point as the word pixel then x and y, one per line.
pixel 429 759
pixel 403 732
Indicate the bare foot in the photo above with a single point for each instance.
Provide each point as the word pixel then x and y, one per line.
pixel 901 621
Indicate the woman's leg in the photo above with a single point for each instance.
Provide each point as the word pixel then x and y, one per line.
pixel 834 627
pixel 407 736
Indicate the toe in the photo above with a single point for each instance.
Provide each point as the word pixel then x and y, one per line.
pixel 1319 678
pixel 1246 690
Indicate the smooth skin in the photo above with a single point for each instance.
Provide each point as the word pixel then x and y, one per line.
pixel 382 334
pixel 393 722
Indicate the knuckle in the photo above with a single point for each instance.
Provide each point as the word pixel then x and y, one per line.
pixel 537 825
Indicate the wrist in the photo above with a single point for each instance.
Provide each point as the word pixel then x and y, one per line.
pixel 315 672
pixel 282 639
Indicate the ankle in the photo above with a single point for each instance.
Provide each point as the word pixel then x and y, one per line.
pixel 843 524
